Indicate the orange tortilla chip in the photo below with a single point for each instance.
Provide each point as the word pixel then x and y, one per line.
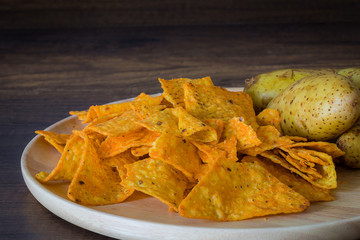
pixel 115 145
pixel 147 100
pixel 119 161
pixel 203 170
pixel 68 163
pixel 204 102
pixel 297 138
pixel 178 152
pixel 57 140
pixel 312 156
pixel 100 120
pixel 80 114
pixel 145 111
pixel 216 124
pixel 174 91
pixel 271 117
pixel 140 151
pixel 308 157
pixel 270 138
pixel 97 137
pixel 94 182
pixel 245 135
pixel 158 179
pixel 232 191
pixel 326 147
pixel 210 153
pixel 163 121
pixel 312 161
pixel 205 158
pixel 300 185
pixel 144 105
pixel 328 173
pixel 100 111
pixel 301 164
pixel 229 146
pixel 91 115
pixel 118 125
pixel 192 128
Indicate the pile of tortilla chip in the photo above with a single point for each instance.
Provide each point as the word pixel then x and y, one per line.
pixel 198 148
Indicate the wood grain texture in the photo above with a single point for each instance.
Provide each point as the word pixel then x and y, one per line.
pixel 110 13
pixel 44 73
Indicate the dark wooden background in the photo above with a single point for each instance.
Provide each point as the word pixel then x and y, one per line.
pixel 22 14
pixel 57 56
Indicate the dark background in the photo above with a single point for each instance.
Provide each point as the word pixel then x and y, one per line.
pixel 17 14
pixel 57 56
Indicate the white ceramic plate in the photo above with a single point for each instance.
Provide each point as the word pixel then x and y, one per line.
pixel 143 217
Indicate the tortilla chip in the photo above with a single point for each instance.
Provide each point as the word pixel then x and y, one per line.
pixel 301 164
pixel 163 121
pixel 192 128
pixel 204 102
pixel 205 158
pixel 158 179
pixel 300 185
pixel 308 157
pixel 100 120
pixel 270 138
pixel 216 124
pixel 178 152
pixel 297 138
pixel 232 191
pixel 57 140
pixel 174 91
pixel 118 125
pixel 140 151
pixel 312 155
pixel 326 147
pixel 147 100
pixel 229 147
pixel 115 145
pixel 97 137
pixel 100 111
pixel 68 163
pixel 119 161
pixel 91 115
pixel 270 117
pixel 145 111
pixel 80 114
pixel 328 173
pixel 204 168
pixel 323 172
pixel 94 182
pixel 209 153
pixel 245 135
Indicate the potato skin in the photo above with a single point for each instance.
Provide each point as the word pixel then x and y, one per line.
pixel 353 73
pixel 349 142
pixel 266 86
pixel 318 107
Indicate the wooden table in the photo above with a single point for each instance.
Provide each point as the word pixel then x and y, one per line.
pixel 45 73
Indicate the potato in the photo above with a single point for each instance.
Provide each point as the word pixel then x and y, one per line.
pixel 349 142
pixel 352 73
pixel 264 87
pixel 318 107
